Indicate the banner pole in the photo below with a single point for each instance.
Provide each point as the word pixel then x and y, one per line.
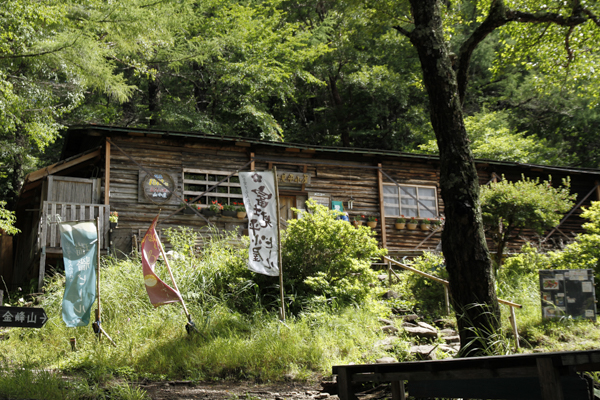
pixel 281 293
pixel 98 276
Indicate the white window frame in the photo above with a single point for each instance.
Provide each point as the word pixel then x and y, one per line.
pixel 422 211
pixel 205 201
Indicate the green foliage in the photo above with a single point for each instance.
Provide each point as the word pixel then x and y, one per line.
pixel 509 207
pixel 328 259
pixel 493 138
pixel 428 295
pixel 7 220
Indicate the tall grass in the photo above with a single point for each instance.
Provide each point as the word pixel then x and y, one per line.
pixel 230 344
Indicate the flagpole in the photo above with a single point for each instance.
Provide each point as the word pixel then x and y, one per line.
pixel 185 310
pixel 101 331
pixel 282 310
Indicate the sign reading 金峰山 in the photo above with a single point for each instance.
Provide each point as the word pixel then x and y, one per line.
pixel 22 317
pixel 260 198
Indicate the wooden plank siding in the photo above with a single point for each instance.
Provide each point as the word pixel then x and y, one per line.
pixel 338 173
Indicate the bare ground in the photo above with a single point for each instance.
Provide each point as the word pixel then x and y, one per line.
pixel 183 390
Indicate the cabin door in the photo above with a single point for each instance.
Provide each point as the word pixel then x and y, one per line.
pixel 285 208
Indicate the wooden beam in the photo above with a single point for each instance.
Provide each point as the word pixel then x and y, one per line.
pixel 107 174
pixel 252 163
pixel 54 168
pixel 381 207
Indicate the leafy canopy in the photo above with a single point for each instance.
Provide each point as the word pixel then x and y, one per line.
pixel 507 207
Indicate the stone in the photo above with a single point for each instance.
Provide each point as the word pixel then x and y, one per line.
pixel 386 344
pixel 448 332
pixel 405 324
pixel 410 317
pixel 386 360
pixel 426 326
pixel 389 329
pixel 421 332
pixel 452 339
pixel 426 351
pixel 386 321
pixel 390 294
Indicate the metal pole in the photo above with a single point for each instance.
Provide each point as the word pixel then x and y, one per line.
pixel 282 310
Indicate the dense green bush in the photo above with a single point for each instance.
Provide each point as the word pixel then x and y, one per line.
pixel 327 259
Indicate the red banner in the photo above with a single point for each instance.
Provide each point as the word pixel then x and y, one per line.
pixel 159 292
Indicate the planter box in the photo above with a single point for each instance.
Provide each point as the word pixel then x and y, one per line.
pixel 208 213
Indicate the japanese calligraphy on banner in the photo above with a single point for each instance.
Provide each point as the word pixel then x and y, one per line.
pixel 79 241
pixel 158 291
pixel 260 198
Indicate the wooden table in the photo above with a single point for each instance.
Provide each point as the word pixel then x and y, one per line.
pixel 543 376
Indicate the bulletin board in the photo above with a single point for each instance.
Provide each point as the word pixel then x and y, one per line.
pixel 568 293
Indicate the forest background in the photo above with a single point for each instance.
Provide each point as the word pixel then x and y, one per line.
pixel 316 72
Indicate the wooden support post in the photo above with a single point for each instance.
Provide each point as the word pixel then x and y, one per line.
pixel 389 274
pixel 381 207
pixel 107 174
pixel 513 323
pixel 447 299
pixel 398 392
pixel 281 293
pixel 549 380
pixel 344 383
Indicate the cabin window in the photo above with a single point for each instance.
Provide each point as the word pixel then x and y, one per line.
pixel 410 201
pixel 196 182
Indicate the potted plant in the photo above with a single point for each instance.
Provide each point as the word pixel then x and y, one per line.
pixel 113 219
pixel 241 210
pixel 371 221
pixel 400 222
pixel 436 223
pixel 357 220
pixel 229 210
pixel 411 223
pixel 424 225
pixel 213 209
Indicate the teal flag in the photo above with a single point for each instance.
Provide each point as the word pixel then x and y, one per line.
pixel 79 241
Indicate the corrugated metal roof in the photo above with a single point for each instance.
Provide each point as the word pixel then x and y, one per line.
pixel 329 149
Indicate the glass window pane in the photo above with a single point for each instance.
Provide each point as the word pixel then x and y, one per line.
pixel 392 211
pixel 409 212
pixel 387 189
pixel 427 214
pixel 235 190
pixel 408 191
pixel 234 179
pixel 426 193
pixel 409 201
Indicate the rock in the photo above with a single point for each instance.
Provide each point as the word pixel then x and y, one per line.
pixel 426 326
pixel 410 317
pixel 426 351
pixel 322 396
pixel 405 324
pixel 449 349
pixel 389 329
pixel 448 332
pixel 421 332
pixel 452 339
pixel 386 321
pixel 382 277
pixel 386 360
pixel 390 294
pixel 386 344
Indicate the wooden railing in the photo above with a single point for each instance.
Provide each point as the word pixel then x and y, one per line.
pixel 512 306
pixel 54 213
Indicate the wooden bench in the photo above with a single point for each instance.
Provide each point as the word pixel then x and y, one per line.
pixel 543 376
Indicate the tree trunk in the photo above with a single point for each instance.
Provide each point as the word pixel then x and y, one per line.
pixel 463 240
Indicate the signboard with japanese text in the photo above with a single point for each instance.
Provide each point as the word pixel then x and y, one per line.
pixel 293 178
pixel 568 292
pixel 22 317
pixel 79 241
pixel 157 188
pixel 260 198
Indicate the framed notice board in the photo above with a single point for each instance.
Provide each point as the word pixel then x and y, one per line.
pixel 568 293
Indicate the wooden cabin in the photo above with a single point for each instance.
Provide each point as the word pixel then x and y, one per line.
pixel 125 170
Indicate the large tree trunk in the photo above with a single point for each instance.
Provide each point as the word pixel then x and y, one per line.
pixel 463 241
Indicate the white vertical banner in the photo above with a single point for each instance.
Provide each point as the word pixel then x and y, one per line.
pixel 260 199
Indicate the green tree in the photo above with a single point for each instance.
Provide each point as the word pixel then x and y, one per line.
pixel 445 36
pixel 509 207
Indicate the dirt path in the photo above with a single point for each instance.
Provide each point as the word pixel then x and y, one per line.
pixel 235 390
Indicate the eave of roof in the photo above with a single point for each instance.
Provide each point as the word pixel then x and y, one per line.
pixel 329 149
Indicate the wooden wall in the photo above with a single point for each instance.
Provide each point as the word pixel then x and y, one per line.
pixel 340 175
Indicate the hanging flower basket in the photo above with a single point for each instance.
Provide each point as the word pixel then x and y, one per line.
pixel 241 214
pixel 412 224
pixel 400 225
pixel 372 224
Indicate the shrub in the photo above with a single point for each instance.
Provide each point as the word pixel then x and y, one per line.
pixel 326 259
